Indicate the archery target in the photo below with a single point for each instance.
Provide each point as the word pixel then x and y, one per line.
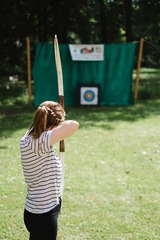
pixel 89 95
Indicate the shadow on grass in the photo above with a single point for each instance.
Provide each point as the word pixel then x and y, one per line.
pixel 14 117
pixel 19 115
pixel 104 116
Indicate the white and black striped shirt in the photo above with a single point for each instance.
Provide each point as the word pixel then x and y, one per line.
pixel 42 171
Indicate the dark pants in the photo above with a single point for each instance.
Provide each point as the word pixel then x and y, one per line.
pixel 42 226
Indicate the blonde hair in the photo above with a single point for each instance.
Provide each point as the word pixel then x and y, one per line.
pixel 48 115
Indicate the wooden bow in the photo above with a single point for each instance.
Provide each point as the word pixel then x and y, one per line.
pixel 61 101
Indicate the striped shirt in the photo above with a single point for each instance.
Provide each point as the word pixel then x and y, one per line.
pixel 42 172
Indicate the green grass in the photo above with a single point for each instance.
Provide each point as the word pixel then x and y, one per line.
pixel 112 173
pixel 112 168
pixel 149 74
pixel 149 83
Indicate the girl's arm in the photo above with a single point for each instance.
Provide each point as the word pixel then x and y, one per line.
pixel 64 130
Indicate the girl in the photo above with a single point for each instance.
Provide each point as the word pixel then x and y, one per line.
pixel 42 169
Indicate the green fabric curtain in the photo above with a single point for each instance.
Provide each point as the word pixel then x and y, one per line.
pixel 114 74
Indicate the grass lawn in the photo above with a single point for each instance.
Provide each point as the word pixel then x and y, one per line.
pixel 112 173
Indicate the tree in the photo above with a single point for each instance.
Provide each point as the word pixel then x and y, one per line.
pixel 76 21
pixel 146 24
pixel 128 19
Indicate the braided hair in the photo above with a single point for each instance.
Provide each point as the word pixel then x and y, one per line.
pixel 48 115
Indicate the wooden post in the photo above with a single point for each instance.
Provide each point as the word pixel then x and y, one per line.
pixel 138 69
pixel 29 69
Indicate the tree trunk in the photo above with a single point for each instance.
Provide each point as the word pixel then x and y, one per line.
pixel 128 19
pixel 103 20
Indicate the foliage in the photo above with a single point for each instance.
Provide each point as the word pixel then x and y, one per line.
pixel 146 24
pixel 90 21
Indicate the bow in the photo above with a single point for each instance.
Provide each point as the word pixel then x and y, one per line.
pixel 61 101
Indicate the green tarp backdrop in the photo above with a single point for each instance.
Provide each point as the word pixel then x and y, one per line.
pixel 114 74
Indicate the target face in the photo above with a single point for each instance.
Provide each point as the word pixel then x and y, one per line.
pixel 89 95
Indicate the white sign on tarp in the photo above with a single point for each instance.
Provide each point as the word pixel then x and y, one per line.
pixel 89 52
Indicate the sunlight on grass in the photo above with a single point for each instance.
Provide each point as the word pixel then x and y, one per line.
pixel 112 174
